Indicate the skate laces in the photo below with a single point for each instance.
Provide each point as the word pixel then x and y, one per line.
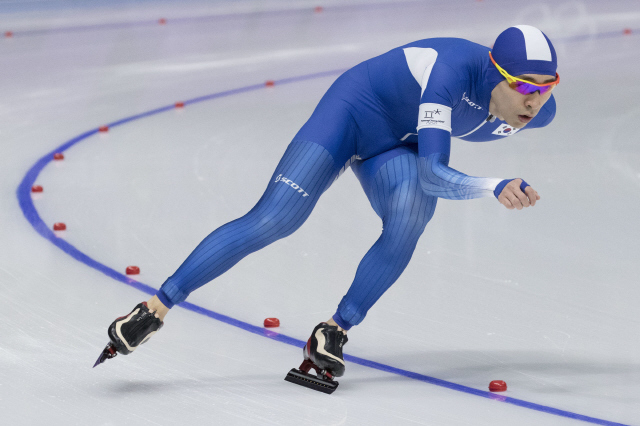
pixel 341 338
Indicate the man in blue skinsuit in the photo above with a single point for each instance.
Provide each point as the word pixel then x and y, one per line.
pixel 391 119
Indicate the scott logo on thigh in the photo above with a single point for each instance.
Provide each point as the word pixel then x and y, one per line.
pixel 281 178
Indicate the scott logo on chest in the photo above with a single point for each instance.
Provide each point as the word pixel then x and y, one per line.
pixel 471 103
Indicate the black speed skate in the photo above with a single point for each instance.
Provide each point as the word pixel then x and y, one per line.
pixel 128 332
pixel 323 353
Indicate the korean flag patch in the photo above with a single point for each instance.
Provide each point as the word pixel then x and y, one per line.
pixel 505 130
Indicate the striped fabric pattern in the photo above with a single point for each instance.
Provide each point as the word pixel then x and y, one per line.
pixel 397 197
pixel 439 180
pixel 282 209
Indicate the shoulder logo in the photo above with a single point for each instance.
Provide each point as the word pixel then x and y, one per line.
pixel 434 116
pixel 430 114
pixel 505 130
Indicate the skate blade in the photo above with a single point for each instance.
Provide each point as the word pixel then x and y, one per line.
pixel 107 353
pixel 311 382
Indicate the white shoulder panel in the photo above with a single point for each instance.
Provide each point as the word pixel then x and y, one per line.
pixel 420 61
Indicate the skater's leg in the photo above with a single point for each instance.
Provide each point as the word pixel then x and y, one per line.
pixel 393 188
pixel 324 147
pixel 303 174
pixel 392 185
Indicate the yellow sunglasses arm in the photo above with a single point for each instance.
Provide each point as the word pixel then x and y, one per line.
pixel 512 79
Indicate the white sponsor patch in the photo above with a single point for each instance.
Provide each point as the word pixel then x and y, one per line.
pixel 505 130
pixel 536 44
pixel 434 116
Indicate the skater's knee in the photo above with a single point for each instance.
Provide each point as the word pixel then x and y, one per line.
pixel 409 222
pixel 276 219
pixel 275 224
pixel 409 211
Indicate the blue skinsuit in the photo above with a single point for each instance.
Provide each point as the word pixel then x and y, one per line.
pixel 391 119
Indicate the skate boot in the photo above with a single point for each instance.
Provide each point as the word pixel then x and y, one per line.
pixel 323 353
pixel 128 332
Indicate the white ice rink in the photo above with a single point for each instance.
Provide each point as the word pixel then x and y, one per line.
pixel 547 299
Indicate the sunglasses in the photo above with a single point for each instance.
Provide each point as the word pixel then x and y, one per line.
pixel 523 86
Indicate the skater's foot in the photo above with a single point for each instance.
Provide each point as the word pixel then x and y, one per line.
pixel 128 332
pixel 324 349
pixel 155 305
pixel 322 353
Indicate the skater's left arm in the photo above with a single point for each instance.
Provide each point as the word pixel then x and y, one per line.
pixel 440 180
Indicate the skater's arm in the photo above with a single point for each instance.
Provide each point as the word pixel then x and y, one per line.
pixel 442 89
pixel 440 180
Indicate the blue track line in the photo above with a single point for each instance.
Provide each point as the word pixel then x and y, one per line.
pixel 31 214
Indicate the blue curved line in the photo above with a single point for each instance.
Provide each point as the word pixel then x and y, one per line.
pixel 31 214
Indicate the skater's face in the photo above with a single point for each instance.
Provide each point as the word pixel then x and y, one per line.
pixel 515 108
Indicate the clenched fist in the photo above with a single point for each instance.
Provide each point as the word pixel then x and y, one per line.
pixel 512 196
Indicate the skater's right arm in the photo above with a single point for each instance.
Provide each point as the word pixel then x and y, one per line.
pixel 442 87
pixel 440 180
pixel 516 194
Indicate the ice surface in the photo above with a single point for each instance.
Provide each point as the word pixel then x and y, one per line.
pixel 545 299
